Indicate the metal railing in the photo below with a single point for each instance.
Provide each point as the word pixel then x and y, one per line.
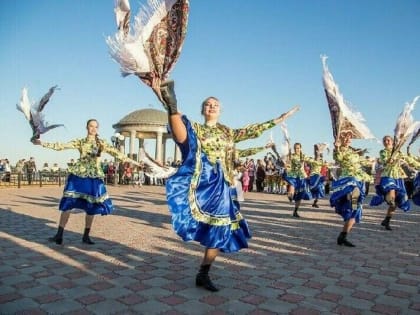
pixel 40 178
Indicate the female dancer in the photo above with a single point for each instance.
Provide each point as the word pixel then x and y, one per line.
pixel 391 188
pixel 316 179
pixel 296 177
pixel 201 195
pixel 316 182
pixel 85 188
pixel 348 191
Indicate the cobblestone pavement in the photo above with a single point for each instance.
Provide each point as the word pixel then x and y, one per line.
pixel 139 266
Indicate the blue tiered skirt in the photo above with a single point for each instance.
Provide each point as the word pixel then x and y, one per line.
pixel 316 186
pixel 416 190
pixel 338 200
pixel 88 194
pixel 203 206
pixel 385 185
pixel 301 185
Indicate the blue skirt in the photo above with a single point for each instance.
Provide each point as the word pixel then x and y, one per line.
pixel 340 189
pixel 301 185
pixel 385 185
pixel 88 194
pixel 416 190
pixel 203 206
pixel 316 185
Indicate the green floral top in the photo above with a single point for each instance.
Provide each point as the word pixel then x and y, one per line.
pixel 351 164
pixel 89 163
pixel 394 170
pixel 218 142
pixel 297 165
pixel 316 166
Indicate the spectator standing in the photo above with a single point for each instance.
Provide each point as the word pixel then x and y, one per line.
pixel 30 168
pixel 260 176
pixel 250 166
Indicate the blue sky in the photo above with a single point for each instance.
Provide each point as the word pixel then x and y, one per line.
pixel 259 58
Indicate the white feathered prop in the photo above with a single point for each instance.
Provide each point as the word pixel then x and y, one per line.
pixel 343 118
pixel 416 135
pixel 284 149
pixel 285 146
pixel 405 126
pixel 151 50
pixel 319 148
pixel 153 168
pixel 33 113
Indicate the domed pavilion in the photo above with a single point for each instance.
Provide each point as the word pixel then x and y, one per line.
pixel 144 124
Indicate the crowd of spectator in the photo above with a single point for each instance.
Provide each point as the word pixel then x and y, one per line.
pixel 260 175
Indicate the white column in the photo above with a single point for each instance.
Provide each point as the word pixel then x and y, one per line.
pixel 164 151
pixel 141 145
pixel 158 151
pixel 132 139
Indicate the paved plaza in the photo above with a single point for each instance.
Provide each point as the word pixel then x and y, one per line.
pixel 139 266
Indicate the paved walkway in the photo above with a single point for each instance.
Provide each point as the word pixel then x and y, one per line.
pixel 139 266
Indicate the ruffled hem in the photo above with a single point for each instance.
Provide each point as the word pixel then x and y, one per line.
pixel 385 185
pixel 316 186
pixel 88 194
pixel 340 189
pixel 302 191
pixel 416 190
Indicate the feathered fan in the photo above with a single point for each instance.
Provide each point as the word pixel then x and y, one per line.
pixel 285 146
pixel 344 119
pixel 319 148
pixel 33 113
pixel 416 135
pixel 151 51
pixel 405 127
pixel 153 168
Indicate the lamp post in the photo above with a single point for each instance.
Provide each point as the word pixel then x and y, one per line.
pixel 117 140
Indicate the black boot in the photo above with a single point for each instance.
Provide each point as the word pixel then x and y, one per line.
pixel 315 204
pixel 203 280
pixel 386 222
pixel 342 240
pixel 58 237
pixel 86 239
pixel 295 213
pixel 167 90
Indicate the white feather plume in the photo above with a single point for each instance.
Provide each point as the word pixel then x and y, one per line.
pixel 153 168
pixel 24 104
pixel 416 135
pixel 122 16
pixel 131 49
pixel 405 126
pixel 285 145
pixel 323 146
pixel 347 118
pixel 33 112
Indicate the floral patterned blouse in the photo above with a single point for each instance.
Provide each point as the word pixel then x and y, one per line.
pixel 218 142
pixel 297 165
pixel 316 166
pixel 89 163
pixel 351 164
pixel 394 170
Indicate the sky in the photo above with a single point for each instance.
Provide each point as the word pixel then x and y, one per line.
pixel 259 58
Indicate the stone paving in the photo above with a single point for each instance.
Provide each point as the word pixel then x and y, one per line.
pixel 139 266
